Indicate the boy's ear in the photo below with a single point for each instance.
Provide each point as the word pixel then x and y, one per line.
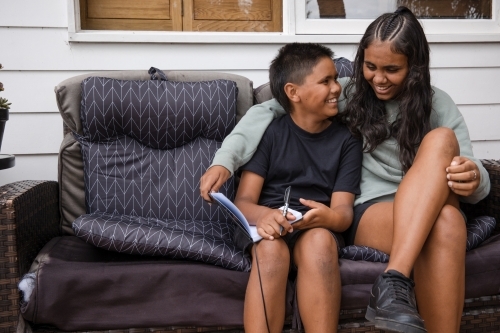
pixel 291 90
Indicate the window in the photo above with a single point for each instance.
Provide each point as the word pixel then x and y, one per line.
pixel 437 16
pixel 428 9
pixel 283 21
pixel 182 15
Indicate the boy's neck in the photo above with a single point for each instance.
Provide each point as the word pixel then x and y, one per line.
pixel 309 123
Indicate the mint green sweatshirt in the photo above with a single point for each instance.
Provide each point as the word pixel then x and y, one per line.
pixel 381 172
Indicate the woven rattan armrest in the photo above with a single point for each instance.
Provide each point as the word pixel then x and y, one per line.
pixel 29 218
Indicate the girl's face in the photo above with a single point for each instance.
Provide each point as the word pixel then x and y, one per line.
pixel 384 70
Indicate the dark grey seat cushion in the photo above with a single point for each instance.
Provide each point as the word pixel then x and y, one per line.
pixel 71 274
pixel 145 146
pixel 82 287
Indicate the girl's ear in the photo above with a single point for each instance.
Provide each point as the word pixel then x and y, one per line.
pixel 291 90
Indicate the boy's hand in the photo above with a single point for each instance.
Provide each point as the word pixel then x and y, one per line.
pixel 316 217
pixel 268 225
pixel 212 180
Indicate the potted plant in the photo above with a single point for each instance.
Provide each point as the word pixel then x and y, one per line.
pixel 4 112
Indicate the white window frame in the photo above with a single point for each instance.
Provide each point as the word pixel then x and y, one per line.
pixel 122 36
pixel 296 28
pixel 437 30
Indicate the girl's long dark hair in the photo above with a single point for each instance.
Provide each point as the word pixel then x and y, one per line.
pixel 365 114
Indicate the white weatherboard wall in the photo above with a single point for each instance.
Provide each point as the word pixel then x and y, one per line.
pixel 37 55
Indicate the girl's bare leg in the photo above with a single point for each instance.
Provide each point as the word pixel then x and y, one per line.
pixel 439 272
pixel 428 233
pixel 274 263
pixel 318 280
pixel 421 197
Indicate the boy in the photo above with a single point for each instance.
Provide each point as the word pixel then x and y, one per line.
pixel 321 161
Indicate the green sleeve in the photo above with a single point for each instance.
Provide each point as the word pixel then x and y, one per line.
pixel 448 115
pixel 240 145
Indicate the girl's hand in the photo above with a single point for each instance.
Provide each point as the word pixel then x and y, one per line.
pixel 268 225
pixel 316 217
pixel 463 176
pixel 212 180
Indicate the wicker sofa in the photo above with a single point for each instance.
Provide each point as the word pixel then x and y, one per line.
pixel 36 217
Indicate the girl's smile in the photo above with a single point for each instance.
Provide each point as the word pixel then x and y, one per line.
pixel 384 70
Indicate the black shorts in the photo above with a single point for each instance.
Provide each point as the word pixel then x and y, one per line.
pixel 358 211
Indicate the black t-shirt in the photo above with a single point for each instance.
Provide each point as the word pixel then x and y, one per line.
pixel 314 164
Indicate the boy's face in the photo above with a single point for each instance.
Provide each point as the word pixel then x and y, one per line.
pixel 320 91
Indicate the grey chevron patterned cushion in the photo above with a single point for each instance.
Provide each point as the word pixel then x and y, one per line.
pixel 357 252
pixel 344 67
pixel 478 230
pixel 145 147
pixel 183 239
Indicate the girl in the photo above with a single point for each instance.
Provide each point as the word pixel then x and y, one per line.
pixel 417 165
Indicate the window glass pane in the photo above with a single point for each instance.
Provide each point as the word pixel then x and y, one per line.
pixel 425 9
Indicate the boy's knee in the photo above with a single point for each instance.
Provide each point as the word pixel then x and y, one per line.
pixel 272 254
pixel 319 245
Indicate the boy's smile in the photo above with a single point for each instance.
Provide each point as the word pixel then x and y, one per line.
pixel 318 95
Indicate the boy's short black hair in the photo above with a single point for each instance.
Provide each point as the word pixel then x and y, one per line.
pixel 293 63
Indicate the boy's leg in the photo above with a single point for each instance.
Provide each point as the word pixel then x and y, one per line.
pixel 274 264
pixel 318 280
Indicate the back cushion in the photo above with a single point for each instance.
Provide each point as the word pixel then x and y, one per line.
pixel 69 100
pixel 146 144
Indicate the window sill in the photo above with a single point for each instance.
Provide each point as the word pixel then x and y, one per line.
pixel 99 36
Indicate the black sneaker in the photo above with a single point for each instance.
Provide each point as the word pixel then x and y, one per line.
pixel 393 306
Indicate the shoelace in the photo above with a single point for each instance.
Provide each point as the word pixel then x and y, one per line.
pixel 400 290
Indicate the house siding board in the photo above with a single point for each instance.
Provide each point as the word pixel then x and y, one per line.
pixel 482 121
pixel 34 13
pixel 469 85
pixel 486 149
pixel 31 167
pixel 470 55
pixel 49 49
pixel 33 133
pixel 40 85
pixel 468 72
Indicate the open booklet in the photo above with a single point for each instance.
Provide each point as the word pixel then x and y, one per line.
pixel 238 217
